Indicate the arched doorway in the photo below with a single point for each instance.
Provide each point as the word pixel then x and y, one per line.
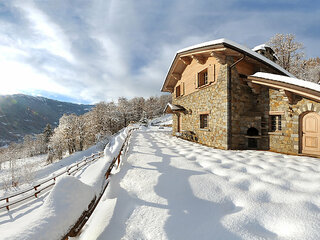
pixel 310 133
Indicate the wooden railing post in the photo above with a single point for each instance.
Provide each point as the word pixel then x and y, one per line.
pixel 35 194
pixel 119 159
pixel 7 200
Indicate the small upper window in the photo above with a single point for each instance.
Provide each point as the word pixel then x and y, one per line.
pixel 204 120
pixel 203 78
pixel 275 123
pixel 178 91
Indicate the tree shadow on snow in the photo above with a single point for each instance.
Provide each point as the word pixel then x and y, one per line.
pixel 190 216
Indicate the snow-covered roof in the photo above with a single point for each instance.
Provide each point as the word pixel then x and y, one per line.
pixel 239 47
pixel 261 47
pixel 174 107
pixel 290 80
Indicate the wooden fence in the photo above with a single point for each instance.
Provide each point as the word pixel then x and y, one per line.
pixel 31 192
pixel 86 214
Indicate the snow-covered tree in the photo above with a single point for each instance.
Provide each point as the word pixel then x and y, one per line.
pixel 40 144
pixel 151 107
pixel 137 104
pixel 312 67
pixel 125 110
pixel 56 146
pixel 47 132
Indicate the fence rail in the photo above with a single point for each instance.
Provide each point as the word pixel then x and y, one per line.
pixel 37 188
pixel 45 184
pixel 86 214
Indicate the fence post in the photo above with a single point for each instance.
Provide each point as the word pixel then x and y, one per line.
pixel 35 194
pixel 7 200
pixel 119 159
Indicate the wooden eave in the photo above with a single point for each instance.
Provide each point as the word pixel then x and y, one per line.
pixel 288 88
pixel 183 59
pixel 173 109
pixel 222 49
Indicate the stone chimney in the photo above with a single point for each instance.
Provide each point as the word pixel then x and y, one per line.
pixel 266 51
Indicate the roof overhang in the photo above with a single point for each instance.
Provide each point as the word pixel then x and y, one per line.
pixel 172 108
pixel 218 48
pixel 288 88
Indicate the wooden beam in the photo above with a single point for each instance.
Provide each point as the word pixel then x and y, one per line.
pixel 254 87
pixel 219 49
pixel 291 96
pixel 300 91
pixel 176 75
pixel 169 88
pixel 186 60
pixel 199 58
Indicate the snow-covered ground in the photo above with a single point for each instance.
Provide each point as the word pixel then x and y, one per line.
pixel 164 120
pixel 51 215
pixel 169 188
pixel 34 169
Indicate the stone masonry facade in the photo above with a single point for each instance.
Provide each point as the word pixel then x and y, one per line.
pixel 288 140
pixel 211 99
pixel 249 109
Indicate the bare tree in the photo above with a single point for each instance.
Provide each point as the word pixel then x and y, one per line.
pixel 289 52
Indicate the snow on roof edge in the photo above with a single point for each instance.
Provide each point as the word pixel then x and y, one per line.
pixel 239 46
pixel 261 46
pixel 290 80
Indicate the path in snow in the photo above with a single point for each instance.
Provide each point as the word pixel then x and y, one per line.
pixel 169 188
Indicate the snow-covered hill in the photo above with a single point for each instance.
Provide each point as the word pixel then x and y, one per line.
pixel 23 114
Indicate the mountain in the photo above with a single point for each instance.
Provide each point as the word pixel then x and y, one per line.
pixel 23 114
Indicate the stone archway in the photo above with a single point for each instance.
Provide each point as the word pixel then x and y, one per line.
pixel 310 133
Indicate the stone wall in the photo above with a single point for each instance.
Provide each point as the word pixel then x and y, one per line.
pixel 213 99
pixel 288 140
pixel 248 110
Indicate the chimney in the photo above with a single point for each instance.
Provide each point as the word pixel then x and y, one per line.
pixel 266 51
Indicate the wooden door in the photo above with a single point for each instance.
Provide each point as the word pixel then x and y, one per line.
pixel 178 122
pixel 311 133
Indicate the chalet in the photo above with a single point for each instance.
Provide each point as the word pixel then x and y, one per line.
pixel 228 96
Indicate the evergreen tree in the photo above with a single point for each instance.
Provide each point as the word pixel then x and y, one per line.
pixel 47 132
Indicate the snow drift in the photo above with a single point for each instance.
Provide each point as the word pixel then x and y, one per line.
pixel 61 209
pixel 94 175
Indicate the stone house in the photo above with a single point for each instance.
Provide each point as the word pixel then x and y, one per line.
pixel 227 96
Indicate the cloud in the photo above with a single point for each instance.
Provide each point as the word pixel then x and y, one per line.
pixel 100 50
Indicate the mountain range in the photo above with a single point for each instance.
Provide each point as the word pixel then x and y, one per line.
pixel 23 114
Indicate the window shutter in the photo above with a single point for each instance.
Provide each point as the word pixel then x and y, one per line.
pixel 182 88
pixel 196 80
pixel 211 77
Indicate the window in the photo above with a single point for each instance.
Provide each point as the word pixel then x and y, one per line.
pixel 203 78
pixel 178 92
pixel 204 120
pixel 275 123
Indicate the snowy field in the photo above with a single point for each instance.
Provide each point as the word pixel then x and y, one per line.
pixel 169 188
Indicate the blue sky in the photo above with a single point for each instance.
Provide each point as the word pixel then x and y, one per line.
pixel 90 51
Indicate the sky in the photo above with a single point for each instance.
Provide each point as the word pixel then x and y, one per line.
pixel 87 51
